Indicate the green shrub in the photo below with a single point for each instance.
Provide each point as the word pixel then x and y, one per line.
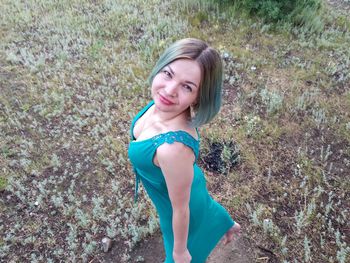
pixel 300 13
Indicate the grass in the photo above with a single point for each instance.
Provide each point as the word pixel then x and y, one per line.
pixel 72 75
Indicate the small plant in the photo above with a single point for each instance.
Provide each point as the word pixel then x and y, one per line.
pixel 272 99
pixel 222 156
pixel 252 125
pixel 307 250
pixel 319 116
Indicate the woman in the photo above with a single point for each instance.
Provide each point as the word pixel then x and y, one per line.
pixel 186 87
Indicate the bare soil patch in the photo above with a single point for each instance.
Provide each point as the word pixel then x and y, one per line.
pixel 150 250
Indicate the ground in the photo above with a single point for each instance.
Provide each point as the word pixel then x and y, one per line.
pixel 150 250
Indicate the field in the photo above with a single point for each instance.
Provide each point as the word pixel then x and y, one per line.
pixel 73 74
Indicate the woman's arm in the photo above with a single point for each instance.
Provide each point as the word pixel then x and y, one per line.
pixel 176 162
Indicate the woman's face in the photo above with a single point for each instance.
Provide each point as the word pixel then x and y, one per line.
pixel 176 86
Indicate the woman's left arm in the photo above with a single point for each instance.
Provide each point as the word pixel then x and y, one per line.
pixel 176 162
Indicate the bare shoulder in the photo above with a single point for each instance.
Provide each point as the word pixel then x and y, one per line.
pixel 174 152
pixel 176 162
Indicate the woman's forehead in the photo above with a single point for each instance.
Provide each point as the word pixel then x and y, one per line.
pixel 188 69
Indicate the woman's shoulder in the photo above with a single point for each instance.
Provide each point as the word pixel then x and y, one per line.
pixel 178 141
pixel 184 127
pixel 175 150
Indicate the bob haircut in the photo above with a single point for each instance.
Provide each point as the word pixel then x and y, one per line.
pixel 209 96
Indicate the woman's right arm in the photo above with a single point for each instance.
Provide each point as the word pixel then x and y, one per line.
pixel 176 162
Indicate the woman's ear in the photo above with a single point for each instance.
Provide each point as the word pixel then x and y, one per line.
pixel 194 104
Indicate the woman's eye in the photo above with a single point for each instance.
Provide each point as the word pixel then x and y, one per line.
pixel 187 87
pixel 167 73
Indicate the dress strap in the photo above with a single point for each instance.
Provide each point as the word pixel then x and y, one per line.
pixel 177 136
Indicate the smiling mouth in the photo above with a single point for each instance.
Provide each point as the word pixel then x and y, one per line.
pixel 165 101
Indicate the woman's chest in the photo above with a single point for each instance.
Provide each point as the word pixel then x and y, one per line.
pixel 146 128
pixel 141 154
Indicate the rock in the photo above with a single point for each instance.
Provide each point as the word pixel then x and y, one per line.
pixel 106 244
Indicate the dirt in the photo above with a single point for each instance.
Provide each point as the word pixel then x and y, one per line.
pixel 150 250
pixel 238 251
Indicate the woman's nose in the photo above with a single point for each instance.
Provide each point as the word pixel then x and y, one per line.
pixel 171 89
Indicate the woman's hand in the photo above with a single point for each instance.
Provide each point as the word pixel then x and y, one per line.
pixel 183 257
pixel 231 234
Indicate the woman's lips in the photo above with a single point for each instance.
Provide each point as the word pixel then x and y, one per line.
pixel 165 101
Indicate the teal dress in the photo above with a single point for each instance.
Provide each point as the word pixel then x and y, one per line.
pixel 209 221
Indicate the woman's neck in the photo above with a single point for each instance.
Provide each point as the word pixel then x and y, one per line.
pixel 165 117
